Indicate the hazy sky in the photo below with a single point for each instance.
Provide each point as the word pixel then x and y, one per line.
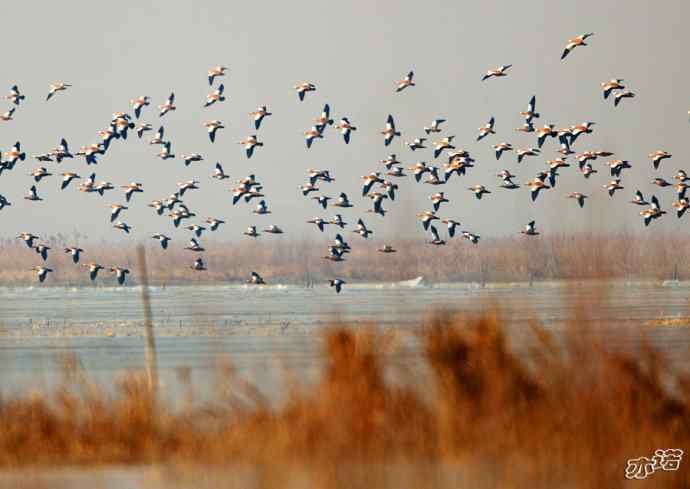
pixel 354 51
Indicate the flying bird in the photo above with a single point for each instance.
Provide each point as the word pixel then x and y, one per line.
pixel 579 197
pixel 653 212
pixel 681 206
pixel 67 177
pixel 303 88
pixel 212 127
pixel 196 229
pixel 316 132
pixel 443 144
pixel 273 229
pixel 41 272
pixel 501 147
pixel 343 201
pixel 120 274
pixel 142 128
pixel 213 223
pixel 93 269
pixel 406 82
pixel 611 85
pixel 158 136
pixel 369 181
pixel 42 250
pixel 415 144
pixel 15 96
pixel 320 223
pixel 658 156
pixel 427 217
pixel 337 283
pixel 486 129
pixel 325 118
pixel 122 226
pixel 168 105
pixel 345 129
pixel 531 113
pixel 261 208
pixel 529 229
pixel 638 199
pixel 498 72
pixel 621 95
pixel 435 126
pixel 131 189
pixel 255 279
pixel 389 132
pixel 74 252
pixel 115 210
pixel 39 174
pixel 57 87
pixel 617 166
pixel 194 245
pixel 162 239
pixel 479 191
pixel 576 42
pixel 322 200
pixel 28 238
pixel 471 237
pixel 214 72
pixel 362 229
pixel 338 221
pixel 249 143
pixel 545 132
pixel 215 96
pixel 435 238
pixel 8 116
pixel 198 265
pixel 33 194
pixel 612 186
pixel 452 224
pixel 536 186
pixel 191 158
pixel 218 173
pixel 139 103
pixel 259 114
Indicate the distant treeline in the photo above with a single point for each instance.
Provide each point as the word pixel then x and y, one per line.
pixel 283 260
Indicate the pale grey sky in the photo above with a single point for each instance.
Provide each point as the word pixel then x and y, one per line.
pixel 354 52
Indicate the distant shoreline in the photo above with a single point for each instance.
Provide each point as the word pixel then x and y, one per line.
pixel 364 285
pixel 514 259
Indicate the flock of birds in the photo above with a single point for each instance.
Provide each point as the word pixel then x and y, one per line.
pixel 377 185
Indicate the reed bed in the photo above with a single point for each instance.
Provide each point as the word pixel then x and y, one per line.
pixel 449 405
pixel 517 258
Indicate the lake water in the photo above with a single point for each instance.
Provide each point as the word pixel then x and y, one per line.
pixel 259 328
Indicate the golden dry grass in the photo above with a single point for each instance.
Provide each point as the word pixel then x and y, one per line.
pixel 568 413
pixel 517 258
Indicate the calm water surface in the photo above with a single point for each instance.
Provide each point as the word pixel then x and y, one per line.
pixel 258 329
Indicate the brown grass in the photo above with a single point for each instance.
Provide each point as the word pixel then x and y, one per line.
pixel 452 399
pixel 518 258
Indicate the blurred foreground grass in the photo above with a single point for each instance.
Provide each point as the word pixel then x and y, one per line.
pixel 472 413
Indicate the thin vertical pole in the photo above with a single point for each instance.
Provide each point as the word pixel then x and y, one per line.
pixel 151 361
